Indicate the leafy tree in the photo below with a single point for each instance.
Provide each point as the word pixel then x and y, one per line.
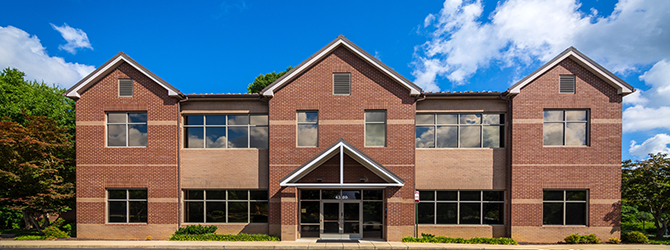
pixel 33 175
pixel 646 183
pixel 18 96
pixel 263 81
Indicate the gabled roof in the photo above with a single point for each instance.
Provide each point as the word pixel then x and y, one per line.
pixel 622 87
pixel 342 147
pixel 325 51
pixel 110 65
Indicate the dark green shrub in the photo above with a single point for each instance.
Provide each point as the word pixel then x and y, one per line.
pixel 429 238
pixel 30 237
pixel 196 229
pixel 648 228
pixel 53 231
pixel 223 237
pixel 573 239
pixel 635 237
pixel 582 239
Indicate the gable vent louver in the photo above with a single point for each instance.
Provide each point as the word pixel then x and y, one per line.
pixel 341 83
pixel 125 87
pixel 567 84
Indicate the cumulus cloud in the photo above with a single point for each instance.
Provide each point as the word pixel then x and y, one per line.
pixel 658 143
pixel 76 38
pixel 520 32
pixel 20 50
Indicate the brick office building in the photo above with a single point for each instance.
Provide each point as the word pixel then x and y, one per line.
pixel 337 146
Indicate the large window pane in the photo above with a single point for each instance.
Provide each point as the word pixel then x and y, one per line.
pixel 258 212
pixel 258 119
pixel 493 213
pixel 552 213
pixel 238 136
pixel 373 194
pixel 237 194
pixel 447 137
pixel 447 195
pixel 493 196
pixel 137 135
pixel 308 135
pixel 553 115
pixel 426 213
pixel 216 194
pixel 117 211
pixel 373 212
pixel 375 116
pixel 575 213
pixel 427 119
pixel 375 134
pixel 194 212
pixel 137 194
pixel 116 194
pixel 194 195
pixel 470 213
pixel 427 195
pixel 309 194
pixel 470 136
pixel 575 134
pixel 493 118
pixel 552 195
pixel 216 137
pixel 193 120
pixel 116 118
pixel 446 213
pixel 470 196
pixel 492 136
pixel 215 120
pixel 137 117
pixel 259 137
pixel 575 195
pixel 553 134
pixel 216 211
pixel 425 137
pixel 116 135
pixel 238 212
pixel 575 115
pixel 137 211
pixel 308 116
pixel 309 211
pixel 194 137
pixel 238 120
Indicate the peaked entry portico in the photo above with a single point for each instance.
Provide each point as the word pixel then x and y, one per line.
pixel 341 194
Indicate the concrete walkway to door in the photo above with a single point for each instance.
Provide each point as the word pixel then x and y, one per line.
pixel 303 244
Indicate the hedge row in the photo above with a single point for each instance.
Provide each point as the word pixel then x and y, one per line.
pixel 429 238
pixel 223 237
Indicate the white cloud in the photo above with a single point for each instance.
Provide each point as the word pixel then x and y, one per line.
pixel 658 143
pixel 20 50
pixel 76 38
pixel 640 118
pixel 651 108
pixel 525 31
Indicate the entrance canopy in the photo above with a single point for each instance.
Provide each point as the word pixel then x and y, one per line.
pixel 344 150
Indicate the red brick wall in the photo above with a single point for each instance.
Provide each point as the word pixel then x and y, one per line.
pixel 595 167
pixel 370 90
pixel 100 167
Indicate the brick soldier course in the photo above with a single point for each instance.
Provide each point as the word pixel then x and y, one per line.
pixel 168 168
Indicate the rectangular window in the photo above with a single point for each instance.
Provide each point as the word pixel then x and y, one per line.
pixel 226 206
pixel 127 206
pixel 127 129
pixel 462 207
pixel 564 207
pixel 565 127
pixel 566 84
pixel 126 87
pixel 308 129
pixel 375 128
pixel 447 130
pixel 226 131
pixel 341 83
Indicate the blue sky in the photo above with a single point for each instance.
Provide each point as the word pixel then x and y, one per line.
pixel 452 45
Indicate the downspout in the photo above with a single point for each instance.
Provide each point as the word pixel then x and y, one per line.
pixel 508 227
pixel 179 192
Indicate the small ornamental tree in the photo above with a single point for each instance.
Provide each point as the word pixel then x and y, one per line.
pixel 646 183
pixel 36 159
pixel 263 81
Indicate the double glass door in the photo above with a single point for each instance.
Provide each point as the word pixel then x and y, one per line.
pixel 341 219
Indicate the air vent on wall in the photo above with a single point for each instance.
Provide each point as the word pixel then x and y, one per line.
pixel 125 87
pixel 567 84
pixel 341 83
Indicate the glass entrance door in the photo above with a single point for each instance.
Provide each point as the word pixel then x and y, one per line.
pixel 341 219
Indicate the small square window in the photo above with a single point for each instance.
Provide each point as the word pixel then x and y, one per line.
pixel 126 87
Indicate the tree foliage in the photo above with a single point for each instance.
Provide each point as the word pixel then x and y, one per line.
pixel 646 183
pixel 263 81
pixel 35 176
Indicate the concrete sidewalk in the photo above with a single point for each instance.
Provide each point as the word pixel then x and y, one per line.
pixel 293 245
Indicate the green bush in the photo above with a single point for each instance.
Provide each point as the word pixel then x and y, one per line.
pixel 582 239
pixel 223 237
pixel 53 231
pixel 429 238
pixel 635 237
pixel 196 229
pixel 615 240
pixel 30 237
pixel 648 227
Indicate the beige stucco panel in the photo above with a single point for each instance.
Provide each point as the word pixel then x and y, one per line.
pixel 464 231
pixel 461 168
pixel 224 168
pixel 125 231
pixel 236 228
pixel 460 105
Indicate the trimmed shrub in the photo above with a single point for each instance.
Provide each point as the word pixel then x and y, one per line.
pixel 582 239
pixel 196 229
pixel 429 238
pixel 30 237
pixel 223 237
pixel 635 237
pixel 615 240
